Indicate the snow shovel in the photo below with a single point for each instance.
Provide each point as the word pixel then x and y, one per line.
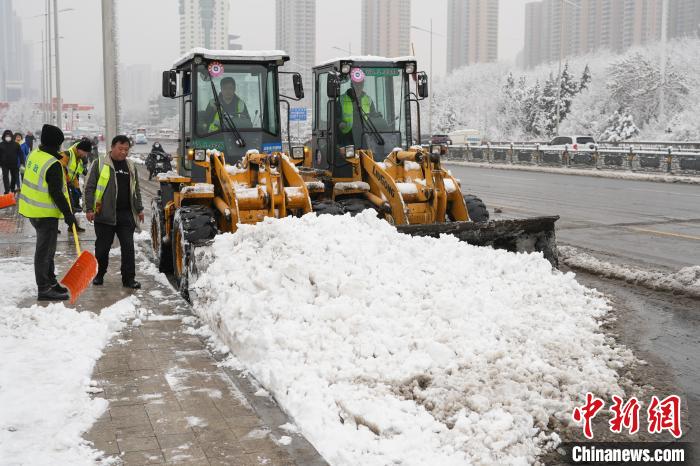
pixel 7 200
pixel 84 269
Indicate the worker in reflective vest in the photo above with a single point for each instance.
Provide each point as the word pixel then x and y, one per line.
pixel 43 199
pixel 73 161
pixel 113 202
pixel 350 125
pixel 231 104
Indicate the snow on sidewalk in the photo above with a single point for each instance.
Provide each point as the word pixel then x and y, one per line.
pixel 390 349
pixel 48 355
pixel 685 280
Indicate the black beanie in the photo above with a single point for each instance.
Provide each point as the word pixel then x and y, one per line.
pixel 51 136
pixel 84 145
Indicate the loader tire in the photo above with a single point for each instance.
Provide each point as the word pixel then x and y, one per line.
pixel 192 225
pixel 354 205
pixel 326 207
pixel 162 253
pixel 476 208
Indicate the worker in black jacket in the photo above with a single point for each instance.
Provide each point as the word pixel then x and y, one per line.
pixel 43 199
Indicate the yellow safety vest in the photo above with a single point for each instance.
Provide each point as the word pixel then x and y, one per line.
pixel 34 198
pixel 347 106
pixel 102 181
pixel 74 167
pixel 215 125
pixel 105 173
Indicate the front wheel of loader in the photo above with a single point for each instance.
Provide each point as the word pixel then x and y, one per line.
pixel 476 208
pixel 162 254
pixel 327 207
pixel 192 225
pixel 354 206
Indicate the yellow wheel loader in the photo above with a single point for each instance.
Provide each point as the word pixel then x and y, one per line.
pixel 364 155
pixel 230 166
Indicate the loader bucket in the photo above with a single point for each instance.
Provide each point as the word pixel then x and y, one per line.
pixel 515 235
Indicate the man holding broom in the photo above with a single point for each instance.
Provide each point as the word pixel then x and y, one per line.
pixel 113 202
pixel 44 200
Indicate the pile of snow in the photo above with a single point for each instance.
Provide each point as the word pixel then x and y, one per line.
pixel 202 188
pixel 48 355
pixel 686 280
pixel 391 349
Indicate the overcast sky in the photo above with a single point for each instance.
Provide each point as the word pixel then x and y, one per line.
pixel 149 33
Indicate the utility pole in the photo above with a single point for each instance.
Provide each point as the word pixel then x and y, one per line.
pixel 109 66
pixel 59 110
pixel 48 58
pixel 662 67
pixel 430 87
pixel 561 52
pixel 43 76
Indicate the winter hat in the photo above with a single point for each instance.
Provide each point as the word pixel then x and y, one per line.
pixel 51 136
pixel 84 145
pixel 7 132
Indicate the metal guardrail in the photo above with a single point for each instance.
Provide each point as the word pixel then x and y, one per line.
pixel 623 145
pixel 655 161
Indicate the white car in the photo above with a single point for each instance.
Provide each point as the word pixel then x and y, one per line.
pixel 140 138
pixel 572 143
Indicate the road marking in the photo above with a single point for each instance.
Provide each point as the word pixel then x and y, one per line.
pixel 655 191
pixel 665 233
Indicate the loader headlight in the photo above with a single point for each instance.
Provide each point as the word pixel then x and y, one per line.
pixel 297 153
pixel 200 155
pixel 435 149
pixel 410 68
pixel 349 152
pixel 345 68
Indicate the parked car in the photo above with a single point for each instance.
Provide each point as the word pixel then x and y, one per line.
pixel 571 143
pixel 140 138
pixel 440 139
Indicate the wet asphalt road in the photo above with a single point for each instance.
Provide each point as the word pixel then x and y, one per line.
pixel 644 223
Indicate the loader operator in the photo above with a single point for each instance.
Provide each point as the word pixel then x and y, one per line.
pixel 351 122
pixel 231 104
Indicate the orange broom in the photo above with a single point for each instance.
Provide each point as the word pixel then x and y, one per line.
pixel 84 269
pixel 7 200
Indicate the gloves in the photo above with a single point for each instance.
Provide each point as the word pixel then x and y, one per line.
pixel 70 220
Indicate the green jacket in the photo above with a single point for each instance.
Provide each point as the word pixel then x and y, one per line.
pixel 107 213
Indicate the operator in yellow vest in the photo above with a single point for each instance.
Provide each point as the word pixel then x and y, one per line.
pixel 73 161
pixel 231 104
pixel 350 117
pixel 44 200
pixel 113 202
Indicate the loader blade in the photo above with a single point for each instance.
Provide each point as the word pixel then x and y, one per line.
pixel 515 235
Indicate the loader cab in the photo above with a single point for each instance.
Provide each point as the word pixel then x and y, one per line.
pixel 228 101
pixel 364 102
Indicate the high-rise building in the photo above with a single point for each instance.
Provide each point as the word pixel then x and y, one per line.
pixel 203 23
pixel 386 27
pixel 15 72
pixel 296 35
pixel 136 85
pixel 554 27
pixel 472 32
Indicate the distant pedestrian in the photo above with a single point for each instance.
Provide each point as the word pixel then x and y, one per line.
pixel 44 200
pixel 113 202
pixel 10 155
pixel 29 139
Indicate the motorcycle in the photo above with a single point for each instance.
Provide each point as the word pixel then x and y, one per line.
pixel 158 161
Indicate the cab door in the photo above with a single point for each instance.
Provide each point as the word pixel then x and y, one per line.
pixel 322 134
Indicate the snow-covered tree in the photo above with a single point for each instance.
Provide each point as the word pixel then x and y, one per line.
pixel 585 78
pixel 620 127
pixel 635 83
pixel 21 117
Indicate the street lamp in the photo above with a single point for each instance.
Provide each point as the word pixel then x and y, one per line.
pixel 561 47
pixel 430 105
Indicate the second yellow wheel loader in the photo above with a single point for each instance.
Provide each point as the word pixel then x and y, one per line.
pixel 364 155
